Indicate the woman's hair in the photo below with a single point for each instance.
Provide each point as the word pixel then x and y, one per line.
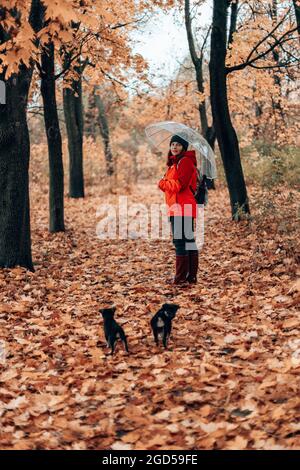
pixel 170 158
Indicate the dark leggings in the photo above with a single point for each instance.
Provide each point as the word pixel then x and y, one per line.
pixel 183 234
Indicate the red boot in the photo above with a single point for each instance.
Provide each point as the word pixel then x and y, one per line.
pixel 193 267
pixel 182 269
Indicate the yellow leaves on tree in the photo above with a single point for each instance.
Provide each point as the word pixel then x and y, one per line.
pixel 62 10
pixel 19 49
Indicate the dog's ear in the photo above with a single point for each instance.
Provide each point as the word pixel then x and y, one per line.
pixel 170 307
pixel 104 312
pixel 110 310
pixel 174 307
pixel 170 314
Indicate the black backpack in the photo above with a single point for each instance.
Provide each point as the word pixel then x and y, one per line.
pixel 201 192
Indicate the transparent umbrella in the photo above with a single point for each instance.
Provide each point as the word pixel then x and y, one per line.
pixel 160 133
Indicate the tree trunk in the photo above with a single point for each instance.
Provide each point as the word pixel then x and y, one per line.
pixel 104 129
pixel 276 104
pixel 73 112
pixel 210 136
pixel 226 135
pixel 207 131
pixel 56 171
pixel 15 238
pixel 134 168
pixel 89 117
pixel 233 21
pixel 297 13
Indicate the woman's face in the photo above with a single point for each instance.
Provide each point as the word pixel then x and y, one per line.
pixel 176 148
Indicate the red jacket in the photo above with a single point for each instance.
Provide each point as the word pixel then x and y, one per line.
pixel 180 177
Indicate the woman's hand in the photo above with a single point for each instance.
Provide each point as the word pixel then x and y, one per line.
pixel 160 183
pixel 170 185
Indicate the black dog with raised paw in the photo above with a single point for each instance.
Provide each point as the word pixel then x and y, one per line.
pixel 161 323
pixel 112 330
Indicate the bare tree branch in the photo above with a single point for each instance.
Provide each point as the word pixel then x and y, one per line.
pixel 76 56
pixel 188 25
pixel 279 65
pixel 205 40
pixel 263 54
pixel 122 25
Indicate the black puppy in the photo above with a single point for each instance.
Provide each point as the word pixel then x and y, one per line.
pixel 112 331
pixel 161 323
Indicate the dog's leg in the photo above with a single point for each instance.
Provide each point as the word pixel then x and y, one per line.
pixel 165 338
pixel 155 334
pixel 124 339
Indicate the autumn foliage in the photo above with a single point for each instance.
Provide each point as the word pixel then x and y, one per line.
pixel 230 376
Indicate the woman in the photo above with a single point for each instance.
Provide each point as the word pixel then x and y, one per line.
pixel 179 184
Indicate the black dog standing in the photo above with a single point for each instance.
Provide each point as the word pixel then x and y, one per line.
pixel 112 331
pixel 161 323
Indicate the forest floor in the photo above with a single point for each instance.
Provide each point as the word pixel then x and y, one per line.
pixel 230 377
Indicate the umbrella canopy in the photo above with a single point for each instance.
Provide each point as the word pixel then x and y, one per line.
pixel 160 133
